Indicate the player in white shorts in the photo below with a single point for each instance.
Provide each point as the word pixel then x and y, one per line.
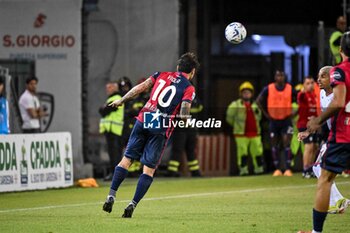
pixel 337 203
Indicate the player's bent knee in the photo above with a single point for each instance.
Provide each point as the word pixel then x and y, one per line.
pixel 125 162
pixel 326 177
pixel 148 171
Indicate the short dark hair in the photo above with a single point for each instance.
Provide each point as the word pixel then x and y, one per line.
pixel 345 43
pixel 308 77
pixel 187 63
pixel 31 78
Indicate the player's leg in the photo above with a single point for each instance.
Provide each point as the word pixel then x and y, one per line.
pixel 308 159
pixel 322 199
pixel 145 181
pixel 287 133
pixel 133 152
pixel 242 144
pixel 274 129
pixel 336 201
pixel 309 154
pixel 151 157
pixel 333 163
pixel 320 210
pixel 317 165
pixel 190 148
pixel 256 151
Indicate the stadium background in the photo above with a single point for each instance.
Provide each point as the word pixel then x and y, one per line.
pixel 135 38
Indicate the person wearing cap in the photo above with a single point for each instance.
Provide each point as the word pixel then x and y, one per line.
pixel 29 106
pixel 244 116
pixel 334 40
pixel 4 109
pixel 275 102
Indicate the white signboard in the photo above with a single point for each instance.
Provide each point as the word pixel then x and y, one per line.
pixel 35 161
pixel 49 33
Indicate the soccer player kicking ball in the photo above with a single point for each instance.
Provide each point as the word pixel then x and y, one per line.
pixel 337 153
pixel 337 203
pixel 171 95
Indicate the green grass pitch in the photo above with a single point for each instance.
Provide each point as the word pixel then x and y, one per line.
pixel 229 204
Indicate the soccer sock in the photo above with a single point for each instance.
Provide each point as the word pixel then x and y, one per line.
pixel 318 220
pixel 275 157
pixel 144 183
pixel 288 156
pixel 335 195
pixel 118 177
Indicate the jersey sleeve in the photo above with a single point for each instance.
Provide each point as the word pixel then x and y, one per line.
pixel 337 76
pixel 189 94
pixel 300 97
pixel 26 103
pixel 155 76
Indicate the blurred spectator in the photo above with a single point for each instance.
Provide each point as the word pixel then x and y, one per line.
pixel 29 106
pixel 111 125
pixel 244 116
pixel 334 40
pixel 185 140
pixel 296 145
pixel 307 101
pixel 4 109
pixel 275 101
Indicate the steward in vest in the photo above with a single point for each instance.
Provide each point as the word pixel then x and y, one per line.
pixel 244 116
pixel 185 140
pixel 334 40
pixel 111 125
pixel 275 101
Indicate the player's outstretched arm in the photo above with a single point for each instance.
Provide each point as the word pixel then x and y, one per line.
pixel 185 110
pixel 136 90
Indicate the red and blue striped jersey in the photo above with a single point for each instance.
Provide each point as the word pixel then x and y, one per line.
pixel 170 89
pixel 340 130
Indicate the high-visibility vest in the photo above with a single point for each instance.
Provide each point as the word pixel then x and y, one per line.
pixel 279 103
pixel 114 121
pixel 236 115
pixel 335 48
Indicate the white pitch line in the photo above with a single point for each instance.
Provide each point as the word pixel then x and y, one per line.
pixel 192 195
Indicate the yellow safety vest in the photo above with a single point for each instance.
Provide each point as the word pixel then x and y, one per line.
pixel 114 121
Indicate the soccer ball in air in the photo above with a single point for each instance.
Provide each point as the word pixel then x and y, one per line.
pixel 235 33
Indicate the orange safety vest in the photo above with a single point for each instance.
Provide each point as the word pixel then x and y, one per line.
pixel 279 103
